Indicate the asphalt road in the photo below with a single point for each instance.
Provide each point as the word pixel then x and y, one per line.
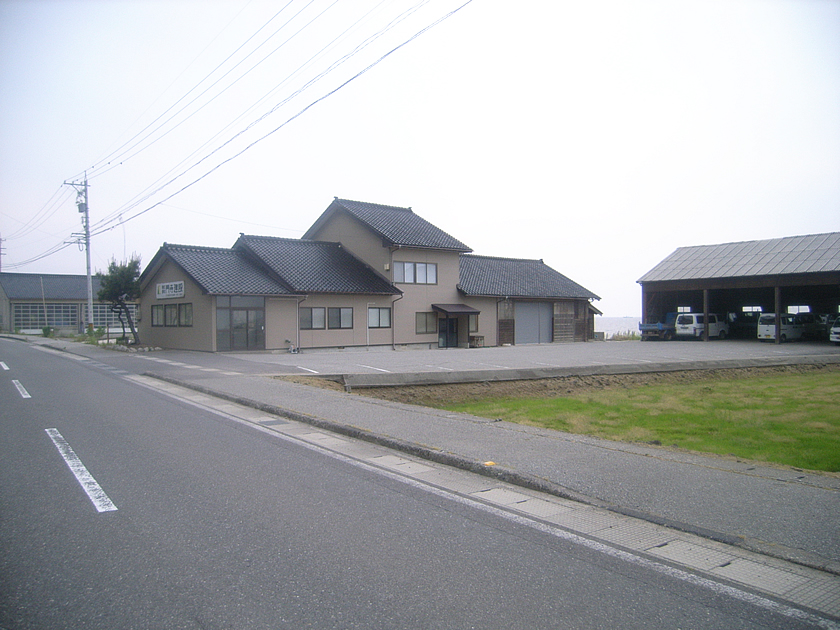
pixel 189 519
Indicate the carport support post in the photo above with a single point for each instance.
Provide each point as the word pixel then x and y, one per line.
pixel 705 314
pixel 778 295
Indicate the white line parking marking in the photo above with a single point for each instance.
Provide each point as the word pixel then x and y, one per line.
pixel 300 367
pixel 370 367
pixel 4 366
pixel 97 495
pixel 21 389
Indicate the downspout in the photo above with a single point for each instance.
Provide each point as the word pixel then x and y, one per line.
pixel 394 321
pixel 393 302
pixel 297 320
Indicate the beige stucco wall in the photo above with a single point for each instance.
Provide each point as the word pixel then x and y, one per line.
pixel 419 298
pixel 200 336
pixel 359 335
pixel 357 239
pixel 280 323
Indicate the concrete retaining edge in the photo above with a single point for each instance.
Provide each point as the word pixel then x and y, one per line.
pixel 351 381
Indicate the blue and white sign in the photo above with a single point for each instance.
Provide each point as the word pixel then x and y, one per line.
pixel 169 290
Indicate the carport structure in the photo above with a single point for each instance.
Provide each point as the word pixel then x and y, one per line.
pixel 736 279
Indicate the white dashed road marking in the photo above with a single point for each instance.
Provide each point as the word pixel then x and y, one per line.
pixel 21 389
pixel 97 495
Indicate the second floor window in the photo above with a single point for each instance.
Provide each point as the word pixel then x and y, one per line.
pixel 415 273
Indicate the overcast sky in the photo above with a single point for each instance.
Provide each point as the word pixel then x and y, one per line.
pixel 598 135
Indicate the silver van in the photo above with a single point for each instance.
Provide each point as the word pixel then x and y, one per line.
pixel 693 325
pixel 791 327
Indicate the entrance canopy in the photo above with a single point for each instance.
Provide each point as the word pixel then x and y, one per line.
pixel 455 309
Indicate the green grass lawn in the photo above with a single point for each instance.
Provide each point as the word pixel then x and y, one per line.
pixel 791 419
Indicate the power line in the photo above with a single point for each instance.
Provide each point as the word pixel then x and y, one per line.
pixel 103 223
pixel 108 159
pixel 300 113
pixel 41 216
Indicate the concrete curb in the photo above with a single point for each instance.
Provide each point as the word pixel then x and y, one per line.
pixel 517 478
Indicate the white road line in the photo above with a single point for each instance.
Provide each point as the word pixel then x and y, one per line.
pixel 370 367
pixel 4 366
pixel 300 367
pixel 21 389
pixel 97 495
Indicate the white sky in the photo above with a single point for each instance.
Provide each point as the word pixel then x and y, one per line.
pixel 598 135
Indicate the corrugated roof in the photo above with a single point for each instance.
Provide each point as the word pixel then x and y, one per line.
pixel 780 256
pixel 398 226
pixel 221 271
pixel 315 266
pixel 27 286
pixel 515 277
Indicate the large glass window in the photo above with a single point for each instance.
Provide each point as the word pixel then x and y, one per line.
pixel 313 318
pixel 379 317
pixel 185 314
pixel 340 317
pixel 415 273
pixel 425 323
pixel 170 314
pixel 222 327
pixel 240 322
pixel 104 317
pixel 37 315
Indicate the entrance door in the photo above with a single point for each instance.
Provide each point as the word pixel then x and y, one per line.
pixel 240 322
pixel 256 330
pixel 448 333
pixel 247 329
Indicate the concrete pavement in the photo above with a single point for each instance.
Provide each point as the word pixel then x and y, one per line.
pixel 782 512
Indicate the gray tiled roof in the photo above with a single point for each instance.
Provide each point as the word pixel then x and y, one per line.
pixel 398 226
pixel 516 277
pixel 779 256
pixel 223 271
pixel 27 286
pixel 315 266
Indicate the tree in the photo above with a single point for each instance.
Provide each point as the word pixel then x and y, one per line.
pixel 119 285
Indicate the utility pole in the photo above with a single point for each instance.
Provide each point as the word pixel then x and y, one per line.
pixel 82 205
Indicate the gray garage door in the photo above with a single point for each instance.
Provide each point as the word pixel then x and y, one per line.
pixel 533 322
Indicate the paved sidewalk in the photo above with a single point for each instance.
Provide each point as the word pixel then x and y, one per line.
pixel 781 512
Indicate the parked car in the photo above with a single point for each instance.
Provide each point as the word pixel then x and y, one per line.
pixel 834 332
pixel 810 325
pixel 743 325
pixel 824 323
pixel 791 327
pixel 693 324
pixel 659 330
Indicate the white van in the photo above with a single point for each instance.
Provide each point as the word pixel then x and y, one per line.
pixel 834 332
pixel 791 328
pixel 693 324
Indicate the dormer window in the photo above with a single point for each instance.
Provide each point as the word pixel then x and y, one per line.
pixel 415 273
